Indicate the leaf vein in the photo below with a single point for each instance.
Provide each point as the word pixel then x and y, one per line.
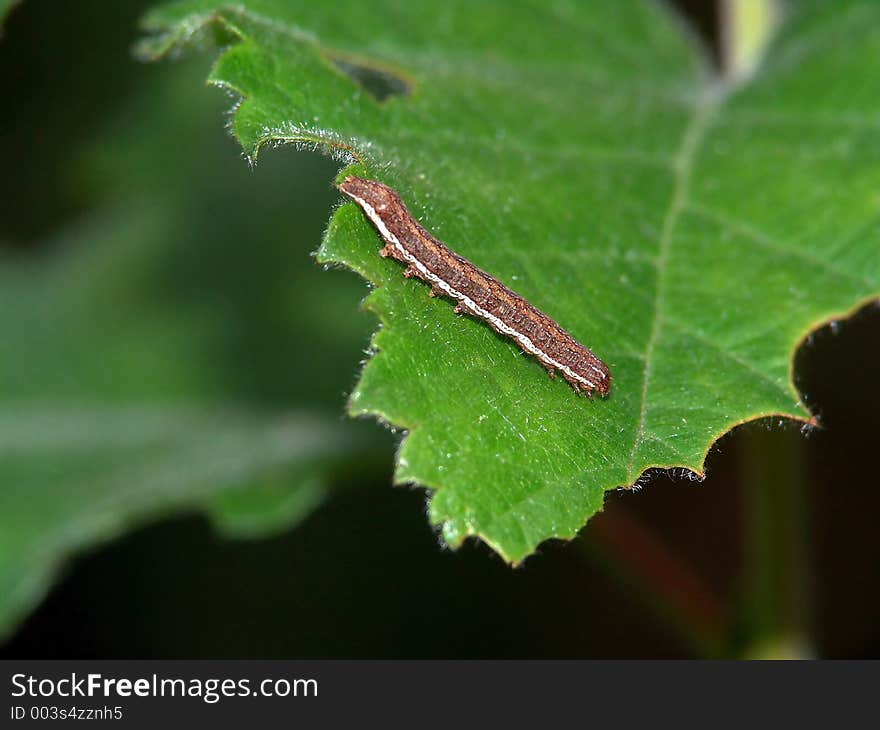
pixel 688 145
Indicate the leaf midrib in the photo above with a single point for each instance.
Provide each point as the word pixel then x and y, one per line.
pixel 682 163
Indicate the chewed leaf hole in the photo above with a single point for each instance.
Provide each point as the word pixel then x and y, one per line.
pixel 381 83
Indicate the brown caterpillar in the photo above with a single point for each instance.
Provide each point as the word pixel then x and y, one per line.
pixel 476 292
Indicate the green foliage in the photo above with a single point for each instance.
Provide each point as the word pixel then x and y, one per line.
pixel 154 358
pixel 691 233
pixel 5 7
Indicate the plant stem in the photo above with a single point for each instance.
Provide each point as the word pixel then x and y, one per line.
pixel 662 578
pixel 746 27
pixel 775 597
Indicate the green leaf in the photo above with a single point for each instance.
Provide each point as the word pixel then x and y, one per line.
pixel 154 361
pixel 690 232
pixel 83 474
pixel 5 7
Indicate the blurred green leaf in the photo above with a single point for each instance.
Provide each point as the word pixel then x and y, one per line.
pixel 691 233
pixel 155 355
pixel 76 475
pixel 5 7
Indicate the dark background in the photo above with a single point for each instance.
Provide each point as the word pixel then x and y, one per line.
pixel 671 570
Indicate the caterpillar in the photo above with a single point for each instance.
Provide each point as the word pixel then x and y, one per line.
pixel 476 293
